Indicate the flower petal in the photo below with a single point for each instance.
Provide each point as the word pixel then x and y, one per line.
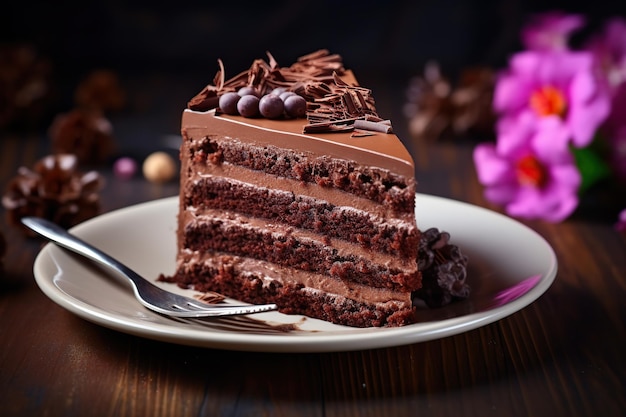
pixel 582 88
pixel 510 94
pixel 550 139
pixel 566 176
pixel 501 194
pixel 490 167
pixel 551 30
pixel 513 134
pixel 584 120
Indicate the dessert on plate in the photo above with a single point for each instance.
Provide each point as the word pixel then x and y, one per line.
pixel 293 190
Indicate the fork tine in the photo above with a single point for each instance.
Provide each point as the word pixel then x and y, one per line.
pixel 187 303
pixel 210 311
pixel 223 306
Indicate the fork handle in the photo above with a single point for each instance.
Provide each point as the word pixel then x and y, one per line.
pixel 62 237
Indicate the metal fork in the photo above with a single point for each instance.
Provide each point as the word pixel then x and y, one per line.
pixel 147 293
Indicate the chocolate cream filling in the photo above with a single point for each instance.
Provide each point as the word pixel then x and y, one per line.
pixel 333 196
pixel 194 219
pixel 311 281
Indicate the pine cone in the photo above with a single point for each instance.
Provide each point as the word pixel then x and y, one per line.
pixel 25 90
pixel 438 109
pixel 84 133
pixel 54 190
pixel 444 270
pixel 100 91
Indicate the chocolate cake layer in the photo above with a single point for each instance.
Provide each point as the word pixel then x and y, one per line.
pixel 286 247
pixel 378 185
pixel 197 172
pixel 321 223
pixel 295 292
pixel 356 226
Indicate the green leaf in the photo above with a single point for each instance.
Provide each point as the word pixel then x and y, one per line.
pixel 591 166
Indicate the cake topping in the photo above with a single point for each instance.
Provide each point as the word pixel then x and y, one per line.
pixel 312 86
pixel 55 190
pixel 337 106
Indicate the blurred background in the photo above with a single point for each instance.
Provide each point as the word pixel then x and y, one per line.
pixel 165 52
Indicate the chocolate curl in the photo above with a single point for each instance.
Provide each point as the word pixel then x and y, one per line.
pixel 361 133
pixel 381 127
pixel 273 62
pixel 339 81
pixel 339 103
pixel 343 125
pixel 220 77
pixel 210 297
pixel 208 99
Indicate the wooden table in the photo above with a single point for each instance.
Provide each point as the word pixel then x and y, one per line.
pixel 563 355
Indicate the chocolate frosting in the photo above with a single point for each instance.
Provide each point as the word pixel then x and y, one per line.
pixel 335 103
pixel 382 150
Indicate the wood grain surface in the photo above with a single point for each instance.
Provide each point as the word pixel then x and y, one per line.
pixel 563 355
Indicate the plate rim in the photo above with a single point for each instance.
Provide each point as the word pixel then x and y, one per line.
pixel 293 342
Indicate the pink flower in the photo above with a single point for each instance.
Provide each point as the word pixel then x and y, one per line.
pixel 526 174
pixel 553 85
pixel 614 129
pixel 620 226
pixel 550 31
pixel 609 49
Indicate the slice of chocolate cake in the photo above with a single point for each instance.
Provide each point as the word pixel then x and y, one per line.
pixel 315 213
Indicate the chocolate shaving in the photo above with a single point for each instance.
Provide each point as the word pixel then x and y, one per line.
pixel 342 104
pixel 210 297
pixel 328 127
pixel 333 105
pixel 373 126
pixel 361 133
pixel 220 77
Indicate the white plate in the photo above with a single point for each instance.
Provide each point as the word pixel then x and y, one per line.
pixel 510 267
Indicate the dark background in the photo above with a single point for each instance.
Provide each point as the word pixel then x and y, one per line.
pixel 166 52
pixel 394 37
